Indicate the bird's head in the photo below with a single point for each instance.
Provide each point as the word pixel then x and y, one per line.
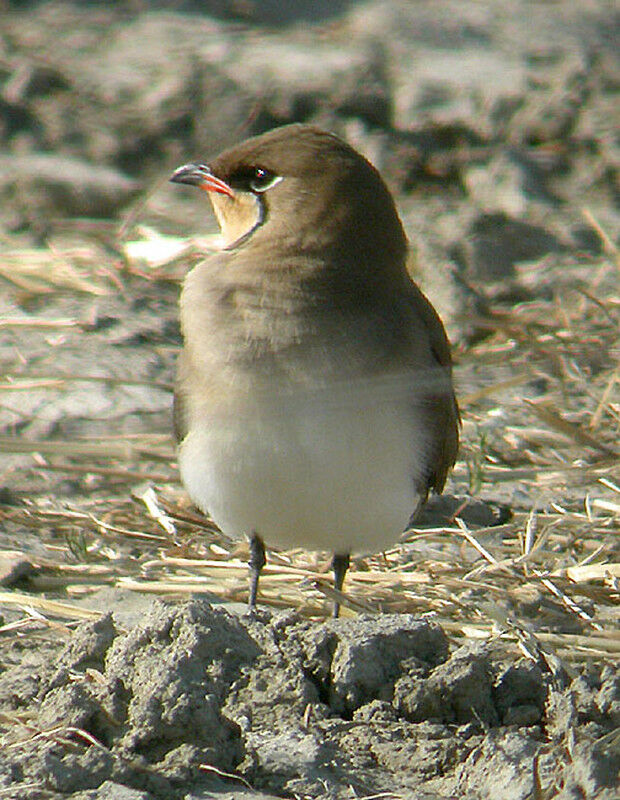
pixel 302 189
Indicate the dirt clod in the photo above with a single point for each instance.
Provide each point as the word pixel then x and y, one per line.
pixel 286 703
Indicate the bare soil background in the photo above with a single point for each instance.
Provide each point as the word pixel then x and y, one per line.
pixel 479 657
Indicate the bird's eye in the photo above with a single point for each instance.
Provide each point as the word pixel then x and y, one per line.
pixel 262 179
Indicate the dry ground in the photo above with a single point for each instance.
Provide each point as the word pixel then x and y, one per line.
pixel 507 670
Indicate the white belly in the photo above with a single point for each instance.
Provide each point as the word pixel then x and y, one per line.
pixel 336 471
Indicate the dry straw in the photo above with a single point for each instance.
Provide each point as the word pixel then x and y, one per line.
pixel 541 410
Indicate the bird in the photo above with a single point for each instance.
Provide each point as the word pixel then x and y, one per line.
pixel 314 404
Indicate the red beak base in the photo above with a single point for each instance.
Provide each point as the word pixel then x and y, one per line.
pixel 200 175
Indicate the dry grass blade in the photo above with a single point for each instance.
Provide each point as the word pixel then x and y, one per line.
pixel 30 380
pixel 382 796
pixel 610 246
pixel 55 607
pixel 572 606
pixel 494 389
pixel 182 586
pixel 22 788
pixel 222 774
pixel 24 322
pixel 574 432
pixel 150 500
pixel 107 528
pixel 42 270
pixel 590 572
pixel 504 565
pixel 121 449
pixel 604 401
pixel 60 734
pixel 127 475
pixel 346 601
pixel 606 505
pixel 528 641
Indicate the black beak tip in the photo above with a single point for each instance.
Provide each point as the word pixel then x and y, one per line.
pixel 192 174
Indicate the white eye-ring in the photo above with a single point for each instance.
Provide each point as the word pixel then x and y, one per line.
pixel 263 180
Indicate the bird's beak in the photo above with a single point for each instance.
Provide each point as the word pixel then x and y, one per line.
pixel 200 175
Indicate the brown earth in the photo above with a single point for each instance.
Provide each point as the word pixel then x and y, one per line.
pixel 479 657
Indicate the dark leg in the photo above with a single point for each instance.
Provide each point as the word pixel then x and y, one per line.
pixel 340 565
pixel 256 562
